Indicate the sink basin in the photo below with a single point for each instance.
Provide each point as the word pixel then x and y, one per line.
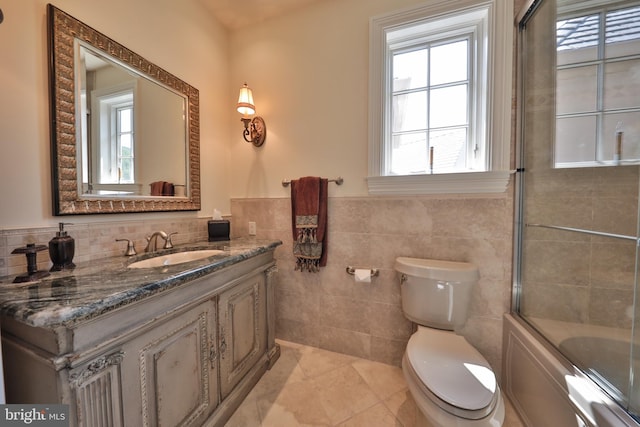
pixel 175 258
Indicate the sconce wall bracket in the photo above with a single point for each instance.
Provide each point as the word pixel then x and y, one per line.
pixel 255 130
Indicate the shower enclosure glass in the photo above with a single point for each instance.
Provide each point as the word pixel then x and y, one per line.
pixel 578 183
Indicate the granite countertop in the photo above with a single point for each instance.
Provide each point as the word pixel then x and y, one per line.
pixel 96 287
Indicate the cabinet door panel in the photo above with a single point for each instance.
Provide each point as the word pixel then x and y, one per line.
pixel 243 316
pixel 172 369
pixel 170 372
pixel 243 330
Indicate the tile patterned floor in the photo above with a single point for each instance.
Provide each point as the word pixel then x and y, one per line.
pixel 312 387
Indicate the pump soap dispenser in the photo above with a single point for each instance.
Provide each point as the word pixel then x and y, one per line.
pixel 61 250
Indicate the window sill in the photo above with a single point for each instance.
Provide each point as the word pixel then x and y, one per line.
pixel 454 183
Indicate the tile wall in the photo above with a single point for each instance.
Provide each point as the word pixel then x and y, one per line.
pixel 95 240
pixel 330 310
pixel 575 276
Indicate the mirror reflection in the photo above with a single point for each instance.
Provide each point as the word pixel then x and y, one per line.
pixel 125 133
pixel 598 83
pixel 133 131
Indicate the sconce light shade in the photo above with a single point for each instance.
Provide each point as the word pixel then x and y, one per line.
pixel 255 130
pixel 245 101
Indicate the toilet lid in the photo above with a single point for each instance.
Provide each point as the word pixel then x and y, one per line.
pixel 450 368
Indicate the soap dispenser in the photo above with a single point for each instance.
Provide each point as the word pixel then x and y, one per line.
pixel 61 250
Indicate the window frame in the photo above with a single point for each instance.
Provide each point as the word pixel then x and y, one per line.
pixel 429 43
pixel 497 91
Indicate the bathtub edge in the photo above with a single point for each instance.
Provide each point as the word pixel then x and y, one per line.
pixel 545 388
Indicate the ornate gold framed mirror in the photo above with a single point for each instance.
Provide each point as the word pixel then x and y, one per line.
pixel 125 133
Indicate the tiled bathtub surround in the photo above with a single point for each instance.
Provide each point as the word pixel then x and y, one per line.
pixel 575 276
pixel 572 276
pixel 94 240
pixel 331 311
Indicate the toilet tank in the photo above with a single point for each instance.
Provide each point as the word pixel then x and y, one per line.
pixel 436 293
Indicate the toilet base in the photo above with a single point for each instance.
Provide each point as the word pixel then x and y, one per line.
pixel 437 417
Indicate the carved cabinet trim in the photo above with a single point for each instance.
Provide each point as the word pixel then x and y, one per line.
pixel 98 392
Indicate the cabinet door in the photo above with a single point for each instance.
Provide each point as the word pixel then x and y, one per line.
pixel 170 374
pixel 243 330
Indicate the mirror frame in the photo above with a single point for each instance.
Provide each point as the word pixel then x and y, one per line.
pixel 62 30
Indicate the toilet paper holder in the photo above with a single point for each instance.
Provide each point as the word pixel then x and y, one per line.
pixel 352 271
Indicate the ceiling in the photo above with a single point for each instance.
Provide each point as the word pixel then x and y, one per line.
pixel 236 14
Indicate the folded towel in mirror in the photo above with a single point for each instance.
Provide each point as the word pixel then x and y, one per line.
pixel 157 188
pixel 168 189
pixel 162 188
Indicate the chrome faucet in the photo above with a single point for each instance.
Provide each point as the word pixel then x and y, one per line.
pixel 152 241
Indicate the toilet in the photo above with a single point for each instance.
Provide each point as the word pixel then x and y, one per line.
pixel 450 381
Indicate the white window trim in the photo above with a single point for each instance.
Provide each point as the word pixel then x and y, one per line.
pixel 496 179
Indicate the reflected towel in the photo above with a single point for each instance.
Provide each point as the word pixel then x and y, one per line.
pixel 167 189
pixel 309 222
pixel 157 188
pixel 162 188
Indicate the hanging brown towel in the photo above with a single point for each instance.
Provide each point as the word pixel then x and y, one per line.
pixel 309 222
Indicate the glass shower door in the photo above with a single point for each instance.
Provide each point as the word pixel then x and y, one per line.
pixel 579 182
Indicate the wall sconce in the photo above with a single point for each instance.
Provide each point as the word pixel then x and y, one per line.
pixel 255 130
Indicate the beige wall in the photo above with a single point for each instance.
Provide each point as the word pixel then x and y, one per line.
pixel 309 74
pixel 180 37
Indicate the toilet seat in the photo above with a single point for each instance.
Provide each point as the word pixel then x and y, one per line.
pixel 452 373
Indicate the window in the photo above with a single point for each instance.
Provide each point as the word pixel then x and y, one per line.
pixel 431 97
pixel 440 86
pixel 116 129
pixel 124 144
pixel 597 103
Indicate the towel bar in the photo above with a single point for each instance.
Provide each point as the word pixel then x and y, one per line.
pixel 352 271
pixel 580 230
pixel 338 181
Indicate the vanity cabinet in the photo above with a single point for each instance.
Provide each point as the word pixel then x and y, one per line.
pixel 183 357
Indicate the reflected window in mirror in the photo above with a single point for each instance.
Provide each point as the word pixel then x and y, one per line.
pixel 598 84
pixel 116 150
pixel 117 107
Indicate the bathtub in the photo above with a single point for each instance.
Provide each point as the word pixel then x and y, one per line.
pixel 605 359
pixel 545 389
